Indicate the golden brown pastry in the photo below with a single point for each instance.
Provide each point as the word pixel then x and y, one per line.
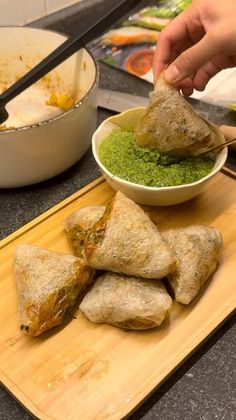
pixel 171 125
pixel 77 224
pixel 48 284
pixel 127 302
pixel 198 249
pixel 126 241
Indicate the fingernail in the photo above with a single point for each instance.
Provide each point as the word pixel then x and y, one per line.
pixel 172 73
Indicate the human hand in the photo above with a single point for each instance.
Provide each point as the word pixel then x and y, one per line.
pixel 197 44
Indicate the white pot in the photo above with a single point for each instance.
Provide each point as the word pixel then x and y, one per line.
pixel 43 149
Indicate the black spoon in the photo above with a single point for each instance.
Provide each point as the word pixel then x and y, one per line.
pixel 61 53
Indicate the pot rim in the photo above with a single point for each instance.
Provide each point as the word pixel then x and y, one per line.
pixel 77 105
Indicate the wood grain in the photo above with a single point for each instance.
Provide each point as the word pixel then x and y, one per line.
pixel 88 371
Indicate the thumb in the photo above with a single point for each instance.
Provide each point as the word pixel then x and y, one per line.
pixel 192 59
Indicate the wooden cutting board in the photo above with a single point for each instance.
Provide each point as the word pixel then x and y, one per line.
pixel 88 371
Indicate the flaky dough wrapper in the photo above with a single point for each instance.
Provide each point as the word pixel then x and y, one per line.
pixel 127 302
pixel 126 241
pixel 198 249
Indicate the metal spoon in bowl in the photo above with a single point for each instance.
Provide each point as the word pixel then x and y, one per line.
pixel 64 51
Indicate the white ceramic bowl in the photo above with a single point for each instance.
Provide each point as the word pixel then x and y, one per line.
pixel 43 149
pixel 154 196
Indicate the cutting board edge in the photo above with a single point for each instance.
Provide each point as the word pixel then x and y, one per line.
pixel 218 324
pixel 195 344
pixel 19 396
pixel 45 215
pixel 19 232
pixel 153 384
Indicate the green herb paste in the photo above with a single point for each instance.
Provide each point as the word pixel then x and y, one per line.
pixel 123 157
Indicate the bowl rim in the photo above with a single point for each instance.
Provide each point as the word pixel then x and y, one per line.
pixel 222 159
pixel 63 113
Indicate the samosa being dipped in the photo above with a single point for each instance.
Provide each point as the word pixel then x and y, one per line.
pixel 172 126
pixel 198 249
pixel 126 241
pixel 48 284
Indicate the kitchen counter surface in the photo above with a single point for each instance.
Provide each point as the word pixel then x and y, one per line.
pixel 204 387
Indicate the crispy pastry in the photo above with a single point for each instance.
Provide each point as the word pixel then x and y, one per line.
pixel 48 284
pixel 125 240
pixel 127 302
pixel 171 125
pixel 198 249
pixel 77 224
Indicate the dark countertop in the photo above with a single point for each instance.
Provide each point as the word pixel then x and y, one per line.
pixel 204 387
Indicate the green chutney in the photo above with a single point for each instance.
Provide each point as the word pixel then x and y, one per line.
pixel 123 157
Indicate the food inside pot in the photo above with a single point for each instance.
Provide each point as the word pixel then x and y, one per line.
pixel 50 96
pixel 39 102
pixel 63 100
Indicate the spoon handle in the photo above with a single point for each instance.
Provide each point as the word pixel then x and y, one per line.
pixel 66 49
pixel 219 146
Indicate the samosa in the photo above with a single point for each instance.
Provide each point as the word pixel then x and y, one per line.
pixel 77 224
pixel 127 302
pixel 172 126
pixel 198 249
pixel 125 240
pixel 48 284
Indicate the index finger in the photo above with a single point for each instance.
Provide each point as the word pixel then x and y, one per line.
pixel 184 31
